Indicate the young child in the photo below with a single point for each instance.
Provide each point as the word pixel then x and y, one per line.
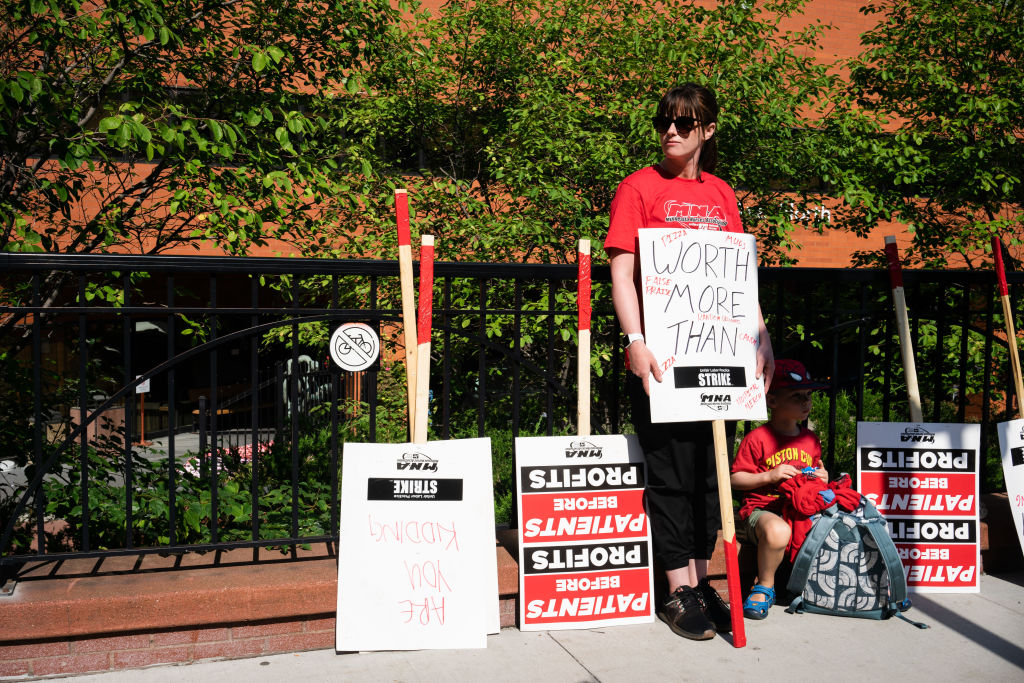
pixel 769 455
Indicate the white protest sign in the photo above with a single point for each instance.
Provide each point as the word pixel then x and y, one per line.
pixel 142 387
pixel 417 567
pixel 1011 445
pixel 585 548
pixel 923 477
pixel 700 308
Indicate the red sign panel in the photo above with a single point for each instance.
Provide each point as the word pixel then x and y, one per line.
pixel 595 596
pixel 914 494
pixel 590 516
pixel 937 565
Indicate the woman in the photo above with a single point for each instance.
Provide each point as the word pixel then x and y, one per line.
pixel 682 490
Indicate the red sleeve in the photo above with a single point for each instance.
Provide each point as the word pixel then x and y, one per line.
pixel 750 458
pixel 625 218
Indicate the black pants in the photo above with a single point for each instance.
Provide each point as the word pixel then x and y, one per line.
pixel 682 484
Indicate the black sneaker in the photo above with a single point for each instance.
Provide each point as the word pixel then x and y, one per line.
pixel 684 614
pixel 715 609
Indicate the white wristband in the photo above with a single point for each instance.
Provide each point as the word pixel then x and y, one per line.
pixel 630 338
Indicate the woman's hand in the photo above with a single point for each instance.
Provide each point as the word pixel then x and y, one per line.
pixel 643 364
pixel 765 363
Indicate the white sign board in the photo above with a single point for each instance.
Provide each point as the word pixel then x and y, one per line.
pixel 585 546
pixel 699 291
pixel 142 387
pixel 923 477
pixel 417 566
pixel 1011 445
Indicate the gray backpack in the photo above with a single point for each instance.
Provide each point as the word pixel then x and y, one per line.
pixel 848 566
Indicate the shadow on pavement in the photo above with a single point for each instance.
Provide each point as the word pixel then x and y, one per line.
pixel 983 637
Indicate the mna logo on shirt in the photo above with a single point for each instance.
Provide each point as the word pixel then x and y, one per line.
pixel 699 216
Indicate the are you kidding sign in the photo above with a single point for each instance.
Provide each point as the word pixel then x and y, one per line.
pixel 699 290
pixel 417 569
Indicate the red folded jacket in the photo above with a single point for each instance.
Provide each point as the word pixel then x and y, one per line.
pixel 804 496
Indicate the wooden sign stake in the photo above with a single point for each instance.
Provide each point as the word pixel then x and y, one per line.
pixel 583 327
pixel 732 564
pixel 906 345
pixel 408 301
pixel 1011 335
pixel 426 311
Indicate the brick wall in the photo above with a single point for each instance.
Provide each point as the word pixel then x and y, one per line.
pixel 134 649
pixel 82 616
pixel 842 41
pixel 835 248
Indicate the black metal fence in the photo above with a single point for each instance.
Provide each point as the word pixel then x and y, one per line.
pixel 237 442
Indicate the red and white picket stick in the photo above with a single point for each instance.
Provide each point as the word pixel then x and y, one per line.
pixel 426 312
pixel 408 300
pixel 583 327
pixel 1011 335
pixel 892 255
pixel 732 563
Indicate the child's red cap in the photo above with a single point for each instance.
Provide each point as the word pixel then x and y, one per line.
pixel 791 374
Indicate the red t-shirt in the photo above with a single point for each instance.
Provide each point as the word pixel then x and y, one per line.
pixel 764 449
pixel 650 199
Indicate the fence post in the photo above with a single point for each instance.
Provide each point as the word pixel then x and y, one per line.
pixel 202 437
pixel 279 402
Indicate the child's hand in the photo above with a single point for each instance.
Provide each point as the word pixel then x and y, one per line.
pixel 821 473
pixel 782 473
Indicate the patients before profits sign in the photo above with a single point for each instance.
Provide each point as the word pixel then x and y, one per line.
pixel 923 477
pixel 417 567
pixel 699 290
pixel 584 551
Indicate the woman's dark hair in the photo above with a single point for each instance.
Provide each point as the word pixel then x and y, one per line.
pixel 699 102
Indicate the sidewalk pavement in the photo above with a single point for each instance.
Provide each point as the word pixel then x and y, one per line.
pixel 972 637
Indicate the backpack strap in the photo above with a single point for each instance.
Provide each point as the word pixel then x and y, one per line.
pixel 796 605
pixel 919 624
pixel 876 526
pixel 827 519
pixel 893 565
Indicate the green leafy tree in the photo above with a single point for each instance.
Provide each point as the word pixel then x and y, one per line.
pixel 938 126
pixel 512 123
pixel 143 126
pixel 146 125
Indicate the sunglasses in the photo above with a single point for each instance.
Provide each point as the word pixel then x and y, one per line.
pixel 684 124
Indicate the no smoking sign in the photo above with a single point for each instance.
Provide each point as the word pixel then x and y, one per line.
pixel 354 346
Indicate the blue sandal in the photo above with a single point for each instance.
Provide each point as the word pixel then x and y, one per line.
pixel 753 609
